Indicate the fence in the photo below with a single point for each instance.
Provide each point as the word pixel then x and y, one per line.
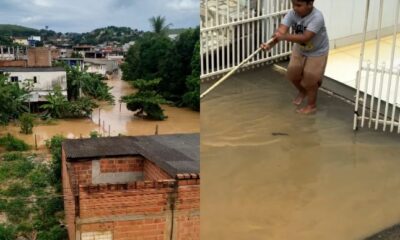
pixel 231 30
pixel 377 85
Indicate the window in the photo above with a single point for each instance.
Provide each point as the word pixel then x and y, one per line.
pixel 34 79
pixel 14 79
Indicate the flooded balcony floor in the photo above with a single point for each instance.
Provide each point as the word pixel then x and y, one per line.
pixel 270 173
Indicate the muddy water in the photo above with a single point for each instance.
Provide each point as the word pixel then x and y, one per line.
pixel 269 173
pixel 114 119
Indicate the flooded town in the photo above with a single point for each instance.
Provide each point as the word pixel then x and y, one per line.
pixel 100 129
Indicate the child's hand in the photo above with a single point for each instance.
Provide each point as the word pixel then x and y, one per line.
pixel 279 36
pixel 265 46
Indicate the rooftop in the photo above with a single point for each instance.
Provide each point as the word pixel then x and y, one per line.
pixel 175 153
pixel 32 69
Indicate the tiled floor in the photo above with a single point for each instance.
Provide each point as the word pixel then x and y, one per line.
pixel 343 62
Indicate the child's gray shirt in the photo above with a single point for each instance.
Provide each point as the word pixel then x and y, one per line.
pixel 313 22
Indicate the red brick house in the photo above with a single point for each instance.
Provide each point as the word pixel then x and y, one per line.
pixel 145 187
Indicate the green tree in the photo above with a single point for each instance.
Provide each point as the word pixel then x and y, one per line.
pixel 159 25
pixel 144 59
pixel 26 122
pixel 57 103
pixel 12 99
pixel 192 97
pixel 146 101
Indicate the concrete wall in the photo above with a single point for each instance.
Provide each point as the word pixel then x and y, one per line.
pixel 39 57
pixel 45 80
pixel 154 208
pixel 69 200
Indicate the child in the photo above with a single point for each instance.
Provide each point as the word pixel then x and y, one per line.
pixel 310 51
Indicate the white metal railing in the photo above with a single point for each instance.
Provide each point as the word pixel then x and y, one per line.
pixel 377 101
pixel 231 30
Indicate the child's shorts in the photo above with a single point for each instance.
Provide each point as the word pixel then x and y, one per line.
pixel 308 70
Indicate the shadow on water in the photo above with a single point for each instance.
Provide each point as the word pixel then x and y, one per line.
pixel 270 173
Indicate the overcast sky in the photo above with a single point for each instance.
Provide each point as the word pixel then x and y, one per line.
pixel 86 15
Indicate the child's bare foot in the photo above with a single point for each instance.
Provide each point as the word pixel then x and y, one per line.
pixel 307 110
pixel 299 99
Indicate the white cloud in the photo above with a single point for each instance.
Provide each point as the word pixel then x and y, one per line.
pixel 184 4
pixel 30 19
pixel 43 3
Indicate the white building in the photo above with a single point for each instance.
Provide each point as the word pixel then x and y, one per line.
pixel 101 66
pixel 44 79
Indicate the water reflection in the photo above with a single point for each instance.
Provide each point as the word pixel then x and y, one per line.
pixel 269 173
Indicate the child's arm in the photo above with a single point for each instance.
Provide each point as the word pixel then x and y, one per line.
pixel 297 38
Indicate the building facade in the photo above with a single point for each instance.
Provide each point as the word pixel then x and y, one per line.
pixel 42 80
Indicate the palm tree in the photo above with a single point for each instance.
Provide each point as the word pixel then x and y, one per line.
pixel 158 24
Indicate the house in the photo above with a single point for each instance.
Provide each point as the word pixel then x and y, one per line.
pixel 21 41
pixel 82 49
pixel 101 66
pixel 43 80
pixel 121 188
pixel 32 40
pixel 73 62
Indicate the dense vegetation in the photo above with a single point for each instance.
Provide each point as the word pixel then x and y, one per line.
pixel 155 56
pixel 17 31
pixel 31 197
pixel 12 99
pixel 107 34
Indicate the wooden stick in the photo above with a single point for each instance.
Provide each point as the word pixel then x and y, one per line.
pixel 233 70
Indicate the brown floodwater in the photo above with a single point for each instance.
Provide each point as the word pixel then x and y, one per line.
pixel 114 120
pixel 270 173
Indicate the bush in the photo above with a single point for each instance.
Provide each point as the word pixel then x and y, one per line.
pixel 16 189
pixel 94 134
pixel 7 232
pixel 13 144
pixel 39 177
pixel 17 210
pixel 26 123
pixel 15 169
pixel 12 156
pixel 54 144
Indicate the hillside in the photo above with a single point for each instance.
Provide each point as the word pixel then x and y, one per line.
pixel 17 31
pixel 107 34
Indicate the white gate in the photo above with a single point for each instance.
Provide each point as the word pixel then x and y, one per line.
pixel 231 30
pixel 377 85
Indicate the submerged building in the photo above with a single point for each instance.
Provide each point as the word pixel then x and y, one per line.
pixel 145 187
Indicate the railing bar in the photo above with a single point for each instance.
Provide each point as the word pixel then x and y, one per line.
pixel 378 112
pixel 207 54
pixel 365 94
pixel 212 49
pixel 376 60
pixel 395 99
pixel 258 28
pixel 228 31
pixel 391 62
pixel 201 54
pixel 263 32
pixel 243 40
